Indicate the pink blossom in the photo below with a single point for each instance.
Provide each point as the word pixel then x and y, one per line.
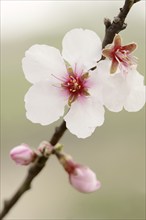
pixel 120 55
pixel 122 85
pixel 22 154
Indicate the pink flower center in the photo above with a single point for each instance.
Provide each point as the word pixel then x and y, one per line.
pixel 75 85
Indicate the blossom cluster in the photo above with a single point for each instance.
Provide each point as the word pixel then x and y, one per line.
pixel 67 79
pixel 84 82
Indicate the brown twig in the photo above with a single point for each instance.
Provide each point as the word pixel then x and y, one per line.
pixel 59 131
pixel 118 23
pixel 111 29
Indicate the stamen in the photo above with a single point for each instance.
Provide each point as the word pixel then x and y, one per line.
pixel 125 58
pixel 57 86
pixel 57 78
pixel 75 85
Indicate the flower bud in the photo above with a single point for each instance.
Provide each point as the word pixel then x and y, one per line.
pixel 22 154
pixel 81 177
pixel 84 179
pixel 45 148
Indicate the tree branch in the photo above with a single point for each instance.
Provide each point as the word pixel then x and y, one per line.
pixel 59 131
pixel 111 29
pixel 118 23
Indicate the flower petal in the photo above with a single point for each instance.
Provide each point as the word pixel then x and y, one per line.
pixel 134 78
pixel 41 61
pixel 136 100
pixel 44 103
pixel 84 116
pixel 103 70
pixel 94 86
pixel 114 94
pixel 82 47
pixel 114 88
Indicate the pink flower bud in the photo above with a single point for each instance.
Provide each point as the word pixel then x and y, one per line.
pixel 22 154
pixel 81 177
pixel 84 179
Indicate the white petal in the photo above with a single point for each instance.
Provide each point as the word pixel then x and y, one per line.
pixel 114 88
pixel 82 48
pixel 115 93
pixel 136 99
pixel 41 61
pixel 44 103
pixel 94 85
pixel 99 78
pixel 134 79
pixel 84 116
pixel 103 69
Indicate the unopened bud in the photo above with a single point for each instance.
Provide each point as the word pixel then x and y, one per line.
pixel 45 148
pixel 84 179
pixel 81 177
pixel 22 154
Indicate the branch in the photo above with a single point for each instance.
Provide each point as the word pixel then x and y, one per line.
pixel 118 23
pixel 111 29
pixel 33 171
pixel 59 131
pixel 116 26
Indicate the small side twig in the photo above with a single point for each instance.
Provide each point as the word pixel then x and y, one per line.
pixel 33 171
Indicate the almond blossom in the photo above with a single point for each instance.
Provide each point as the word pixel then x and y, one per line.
pixel 124 88
pixel 120 55
pixel 65 80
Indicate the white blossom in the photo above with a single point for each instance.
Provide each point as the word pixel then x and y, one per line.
pixel 65 80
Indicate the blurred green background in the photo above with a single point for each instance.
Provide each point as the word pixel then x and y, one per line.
pixel 116 151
